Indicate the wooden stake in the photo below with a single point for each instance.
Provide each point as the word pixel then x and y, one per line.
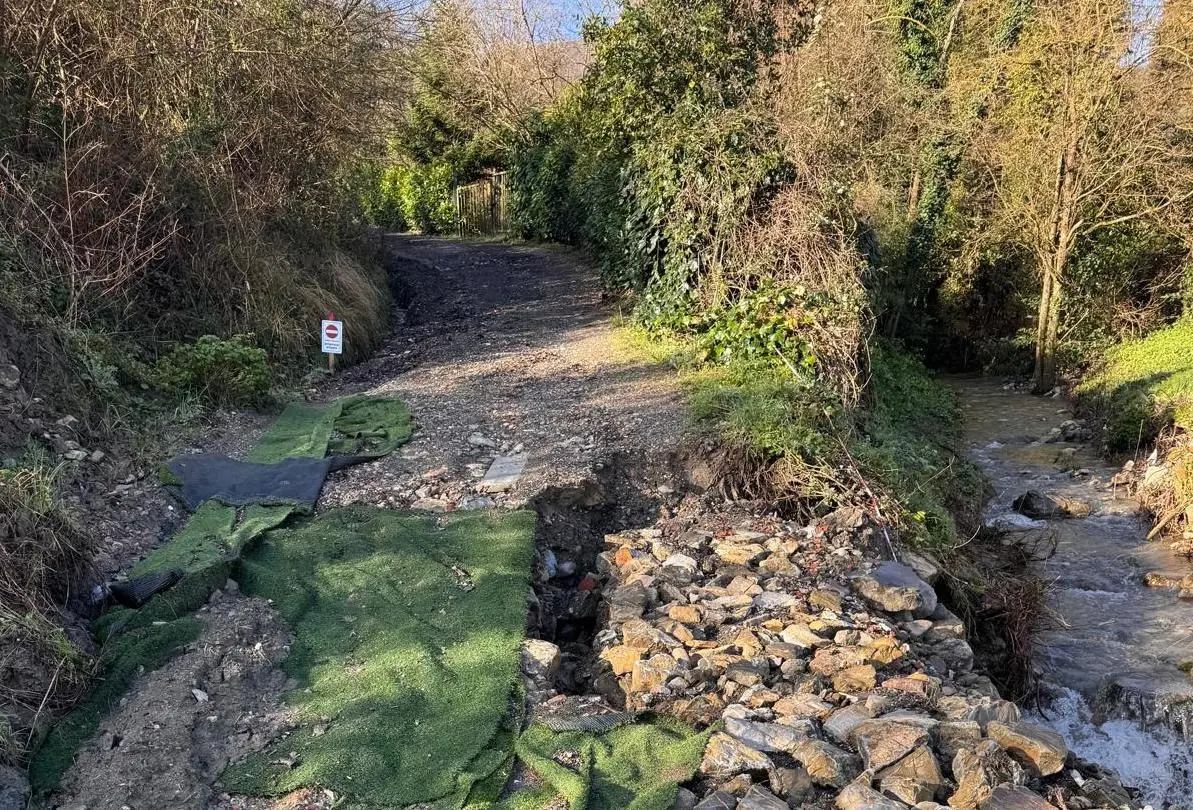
pixel 331 358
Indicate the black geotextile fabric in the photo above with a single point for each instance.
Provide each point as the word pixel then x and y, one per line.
pixel 294 481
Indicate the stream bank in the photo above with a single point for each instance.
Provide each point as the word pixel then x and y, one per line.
pixel 1110 666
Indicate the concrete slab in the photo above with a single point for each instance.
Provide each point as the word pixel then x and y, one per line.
pixel 503 474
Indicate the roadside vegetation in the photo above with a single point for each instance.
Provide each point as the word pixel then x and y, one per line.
pixel 809 206
pixel 180 202
pixel 806 200
pixel 1143 388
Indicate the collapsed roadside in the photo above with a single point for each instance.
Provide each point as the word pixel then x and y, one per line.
pixel 755 629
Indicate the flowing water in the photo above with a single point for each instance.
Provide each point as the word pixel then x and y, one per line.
pixel 1118 693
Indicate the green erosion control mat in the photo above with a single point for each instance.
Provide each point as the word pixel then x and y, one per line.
pixel 406 651
pixel 637 767
pixel 206 551
pixel 354 426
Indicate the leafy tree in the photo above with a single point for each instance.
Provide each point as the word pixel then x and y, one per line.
pixel 1077 144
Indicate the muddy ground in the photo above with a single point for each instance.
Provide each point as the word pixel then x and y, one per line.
pixel 499 349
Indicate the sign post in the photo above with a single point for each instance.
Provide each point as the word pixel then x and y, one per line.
pixel 332 337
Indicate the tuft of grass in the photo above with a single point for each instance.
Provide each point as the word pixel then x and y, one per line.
pixel 763 407
pixel 1143 386
pixel 636 343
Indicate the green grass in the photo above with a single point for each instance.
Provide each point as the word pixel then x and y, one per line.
pixel 764 407
pixel 903 441
pixel 1142 387
pixel 406 646
pixel 635 342
pixel 910 440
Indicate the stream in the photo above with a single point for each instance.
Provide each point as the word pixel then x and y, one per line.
pixel 1110 670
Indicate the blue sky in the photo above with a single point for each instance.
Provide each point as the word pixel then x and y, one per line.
pixel 575 12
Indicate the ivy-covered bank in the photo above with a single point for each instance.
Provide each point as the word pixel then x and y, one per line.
pixel 672 163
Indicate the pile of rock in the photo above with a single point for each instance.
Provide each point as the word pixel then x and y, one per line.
pixel 836 681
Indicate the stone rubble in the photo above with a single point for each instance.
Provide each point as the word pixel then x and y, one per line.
pixel 835 681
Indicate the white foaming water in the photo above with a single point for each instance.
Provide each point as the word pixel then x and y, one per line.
pixel 1013 520
pixel 1156 761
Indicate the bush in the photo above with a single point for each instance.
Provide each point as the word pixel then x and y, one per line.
pixel 177 201
pixel 217 370
pixel 415 197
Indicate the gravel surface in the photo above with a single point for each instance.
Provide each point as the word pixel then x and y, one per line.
pixel 506 348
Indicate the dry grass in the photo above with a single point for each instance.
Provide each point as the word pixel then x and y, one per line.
pixel 1167 490
pixel 42 557
pixel 166 164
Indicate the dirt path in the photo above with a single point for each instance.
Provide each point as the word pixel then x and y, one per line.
pixel 504 348
pixel 501 349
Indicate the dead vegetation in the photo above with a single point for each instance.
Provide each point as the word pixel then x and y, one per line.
pixel 42 559
pixel 176 168
pixel 990 585
pixel 1164 486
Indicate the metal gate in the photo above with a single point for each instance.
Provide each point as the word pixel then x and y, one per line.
pixel 482 207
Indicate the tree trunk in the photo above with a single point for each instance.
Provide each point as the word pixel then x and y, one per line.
pixel 1053 260
pixel 1047 327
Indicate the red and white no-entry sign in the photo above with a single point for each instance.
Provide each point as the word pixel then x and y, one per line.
pixel 333 337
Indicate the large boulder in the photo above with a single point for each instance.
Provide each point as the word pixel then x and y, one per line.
pixel 896 588
pixel 826 764
pixel 915 778
pixel 766 737
pixel 758 798
pixel 1041 751
pixel 884 742
pixel 725 756
pixel 1013 797
pixel 860 796
pixel 1040 506
pixel 978 771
